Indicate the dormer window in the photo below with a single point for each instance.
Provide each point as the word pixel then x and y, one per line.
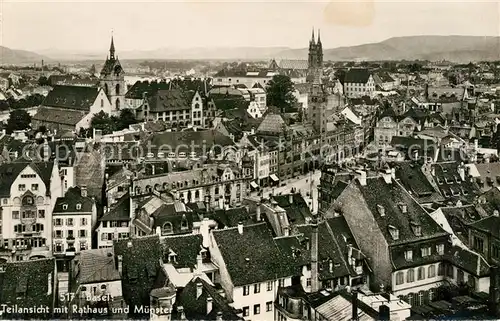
pixel 172 257
pixel 440 181
pixel 78 206
pixel 381 210
pixel 403 207
pixel 184 223
pixel 394 232
pixel 464 191
pixel 409 255
pixel 65 206
pixel 416 228
pixel 167 228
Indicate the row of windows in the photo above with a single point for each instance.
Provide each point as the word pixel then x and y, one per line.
pixel 256 288
pixel 115 224
pixel 58 234
pixel 256 309
pixel 22 187
pixel 21 228
pixel 421 271
pixel 70 221
pixel 426 251
pixel 111 236
pixel 59 247
pixel 28 214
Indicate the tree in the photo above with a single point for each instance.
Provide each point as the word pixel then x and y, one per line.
pixel 103 122
pixel 127 118
pixel 280 91
pixel 18 120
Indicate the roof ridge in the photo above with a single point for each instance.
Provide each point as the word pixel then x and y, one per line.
pixel 235 227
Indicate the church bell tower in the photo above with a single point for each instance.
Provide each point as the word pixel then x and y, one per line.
pixel 112 80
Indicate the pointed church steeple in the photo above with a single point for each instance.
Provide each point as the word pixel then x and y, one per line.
pixel 319 38
pixel 312 38
pixel 112 49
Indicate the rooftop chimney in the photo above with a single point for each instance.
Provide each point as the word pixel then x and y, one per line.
pixel 180 310
pixel 494 295
pixel 461 171
pixel 209 304
pixel 314 257
pixel 349 254
pixel 290 198
pixel 219 316
pixel 199 262
pixel 199 289
pixel 240 228
pixel 384 313
pixel 362 178
pixel 382 288
pixel 495 213
pixel 158 230
pixel 354 293
pixel 286 231
pixel 257 212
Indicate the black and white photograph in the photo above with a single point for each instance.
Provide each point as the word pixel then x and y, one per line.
pixel 249 160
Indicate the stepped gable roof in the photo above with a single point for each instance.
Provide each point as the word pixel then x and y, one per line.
pixel 71 97
pixel 253 256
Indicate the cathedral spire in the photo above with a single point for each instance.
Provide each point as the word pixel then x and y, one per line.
pixel 319 37
pixel 312 38
pixel 112 49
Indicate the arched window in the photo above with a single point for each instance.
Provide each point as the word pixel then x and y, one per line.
pixel 197 195
pixel 410 276
pixel 440 269
pixel 400 276
pixel 431 295
pixel 167 228
pixel 148 189
pixel 431 271
pixel 410 299
pixel 184 222
pixel 421 273
pixel 420 298
pixel 117 103
pixel 102 103
pixel 28 200
pixel 117 89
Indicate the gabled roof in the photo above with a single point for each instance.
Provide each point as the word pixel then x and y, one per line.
pixel 416 183
pixel 296 64
pixel 71 97
pixel 97 265
pixel 173 99
pixel 119 211
pixel 378 194
pixel 10 171
pixel 253 256
pixel 490 224
pixel 357 75
pixel 26 285
pixel 195 307
pixel 58 116
pixel 298 211
pixel 208 138
pixel 185 247
pixel 272 123
pixel 140 88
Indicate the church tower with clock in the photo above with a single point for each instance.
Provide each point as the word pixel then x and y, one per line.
pixel 112 80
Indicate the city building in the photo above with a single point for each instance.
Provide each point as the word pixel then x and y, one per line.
pixel 28 192
pixel 358 82
pixel 74 218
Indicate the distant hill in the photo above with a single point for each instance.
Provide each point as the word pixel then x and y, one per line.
pixel 13 56
pixel 452 48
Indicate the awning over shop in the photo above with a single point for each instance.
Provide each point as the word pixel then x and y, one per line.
pixel 254 185
pixel 274 177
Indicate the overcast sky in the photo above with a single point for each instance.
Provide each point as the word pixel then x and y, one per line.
pixel 87 25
